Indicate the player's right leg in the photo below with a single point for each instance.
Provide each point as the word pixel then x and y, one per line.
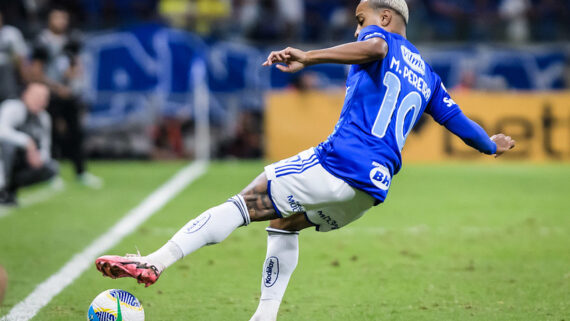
pixel 280 262
pixel 305 194
pixel 210 227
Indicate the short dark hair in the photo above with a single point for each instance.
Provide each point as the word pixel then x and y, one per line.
pixel 58 7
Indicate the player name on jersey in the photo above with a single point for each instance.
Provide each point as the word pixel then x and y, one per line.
pixel 416 81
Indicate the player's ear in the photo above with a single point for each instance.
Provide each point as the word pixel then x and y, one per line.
pixel 385 17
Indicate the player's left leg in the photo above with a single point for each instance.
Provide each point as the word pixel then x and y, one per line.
pixel 210 227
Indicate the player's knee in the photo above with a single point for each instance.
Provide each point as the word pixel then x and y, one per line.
pixel 259 184
pixel 293 223
pixel 280 224
pixel 258 202
pixel 255 216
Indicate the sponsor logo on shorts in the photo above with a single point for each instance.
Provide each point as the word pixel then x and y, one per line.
pixel 196 224
pixel 380 177
pixel 329 220
pixel 295 206
pixel 270 271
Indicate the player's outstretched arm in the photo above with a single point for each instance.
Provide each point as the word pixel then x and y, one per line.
pixel 293 60
pixel 475 136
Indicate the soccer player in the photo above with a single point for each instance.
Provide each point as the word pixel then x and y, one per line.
pixel 389 86
pixel 13 52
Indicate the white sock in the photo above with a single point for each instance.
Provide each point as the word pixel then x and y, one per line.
pixel 166 255
pixel 210 227
pixel 280 262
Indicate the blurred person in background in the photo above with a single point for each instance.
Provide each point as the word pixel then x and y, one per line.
pixel 293 13
pixel 55 62
pixel 483 20
pixel 205 17
pixel 447 16
pixel 25 142
pixel 13 53
pixel 270 20
pixel 341 21
pixel 248 139
pixel 550 19
pixel 22 15
pixel 245 12
pixel 515 13
pixel 318 15
pixel 269 24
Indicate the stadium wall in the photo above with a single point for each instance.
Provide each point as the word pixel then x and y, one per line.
pixel 136 74
pixel 539 122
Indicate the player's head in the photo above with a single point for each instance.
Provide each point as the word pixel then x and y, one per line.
pixel 392 15
pixel 58 20
pixel 36 97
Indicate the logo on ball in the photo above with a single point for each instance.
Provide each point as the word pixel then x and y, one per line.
pixel 270 271
pixel 115 305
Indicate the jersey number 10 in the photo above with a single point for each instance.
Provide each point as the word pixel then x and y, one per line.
pixel 412 101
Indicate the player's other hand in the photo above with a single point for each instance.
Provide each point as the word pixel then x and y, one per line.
pixel 504 143
pixel 288 60
pixel 33 156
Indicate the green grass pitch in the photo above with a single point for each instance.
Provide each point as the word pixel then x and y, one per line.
pixel 452 242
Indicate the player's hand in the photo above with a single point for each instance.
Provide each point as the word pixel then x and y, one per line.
pixel 63 91
pixel 288 60
pixel 504 143
pixel 33 156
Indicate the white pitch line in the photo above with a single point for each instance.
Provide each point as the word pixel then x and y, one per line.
pixel 47 290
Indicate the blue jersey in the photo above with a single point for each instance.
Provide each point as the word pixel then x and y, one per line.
pixel 384 100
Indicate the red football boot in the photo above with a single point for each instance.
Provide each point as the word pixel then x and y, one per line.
pixel 134 266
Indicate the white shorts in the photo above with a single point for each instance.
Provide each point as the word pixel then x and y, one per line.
pixel 301 185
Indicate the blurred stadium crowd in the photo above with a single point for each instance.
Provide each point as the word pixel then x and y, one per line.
pixel 433 20
pixel 312 20
pixel 124 71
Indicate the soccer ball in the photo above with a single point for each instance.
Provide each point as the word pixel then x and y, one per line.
pixel 115 305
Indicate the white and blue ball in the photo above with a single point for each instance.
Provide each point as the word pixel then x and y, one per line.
pixel 115 305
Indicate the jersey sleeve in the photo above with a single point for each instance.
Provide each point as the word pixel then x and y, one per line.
pixel 18 44
pixel 12 115
pixel 471 133
pixel 441 107
pixel 372 32
pixel 447 113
